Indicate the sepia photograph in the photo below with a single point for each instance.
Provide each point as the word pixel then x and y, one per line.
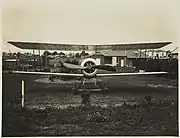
pixel 89 68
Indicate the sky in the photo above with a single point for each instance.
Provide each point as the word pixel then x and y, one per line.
pixel 89 21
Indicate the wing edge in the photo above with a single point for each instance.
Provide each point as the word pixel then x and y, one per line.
pixel 131 74
pixel 47 73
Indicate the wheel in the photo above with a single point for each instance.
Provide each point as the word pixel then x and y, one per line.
pixel 105 89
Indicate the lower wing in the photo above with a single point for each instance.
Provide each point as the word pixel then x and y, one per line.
pixel 81 75
pixel 48 73
pixel 130 74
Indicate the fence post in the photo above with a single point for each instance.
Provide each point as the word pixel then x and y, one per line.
pixel 22 93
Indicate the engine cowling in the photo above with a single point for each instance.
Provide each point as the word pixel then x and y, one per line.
pixel 90 72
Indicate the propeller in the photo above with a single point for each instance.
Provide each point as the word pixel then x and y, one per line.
pixel 73 66
pixel 105 67
pixel 90 67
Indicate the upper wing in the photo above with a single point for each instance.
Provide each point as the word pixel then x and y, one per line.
pixel 48 73
pixel 88 47
pixel 129 74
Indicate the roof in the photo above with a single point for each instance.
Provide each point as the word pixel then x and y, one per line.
pixel 77 47
pixel 158 50
pixel 133 54
pixel 96 53
pixel 175 51
pixel 10 60
pixel 110 53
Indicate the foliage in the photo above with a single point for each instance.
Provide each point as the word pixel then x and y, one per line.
pixel 147 117
pixel 54 53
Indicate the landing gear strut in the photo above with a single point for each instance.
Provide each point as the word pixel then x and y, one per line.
pixel 86 92
pixel 98 86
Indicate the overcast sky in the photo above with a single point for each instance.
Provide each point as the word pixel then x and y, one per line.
pixel 89 21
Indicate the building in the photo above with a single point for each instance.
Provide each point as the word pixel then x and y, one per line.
pixel 175 53
pixel 119 58
pixel 14 64
pixel 156 54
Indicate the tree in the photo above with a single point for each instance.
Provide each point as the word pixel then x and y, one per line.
pixel 74 61
pixel 77 55
pixel 83 53
pixel 54 53
pixel 46 52
pixel 18 54
pixel 70 54
pixel 62 54
pixel 169 53
pixel 86 54
pixel 14 54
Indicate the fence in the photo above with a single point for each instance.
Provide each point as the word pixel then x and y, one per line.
pixel 168 65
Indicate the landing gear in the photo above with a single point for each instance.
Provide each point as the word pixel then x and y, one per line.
pixel 105 89
pixel 98 86
pixel 84 91
pixel 51 78
pixel 102 86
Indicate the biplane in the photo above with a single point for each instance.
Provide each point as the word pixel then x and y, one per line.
pixel 88 67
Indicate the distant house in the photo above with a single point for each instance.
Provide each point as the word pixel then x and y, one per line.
pixel 118 58
pixel 12 64
pixel 11 60
pixel 9 64
pixel 156 53
pixel 175 53
pixel 99 58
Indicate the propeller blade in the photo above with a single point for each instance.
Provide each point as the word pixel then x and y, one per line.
pixel 105 67
pixel 73 66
